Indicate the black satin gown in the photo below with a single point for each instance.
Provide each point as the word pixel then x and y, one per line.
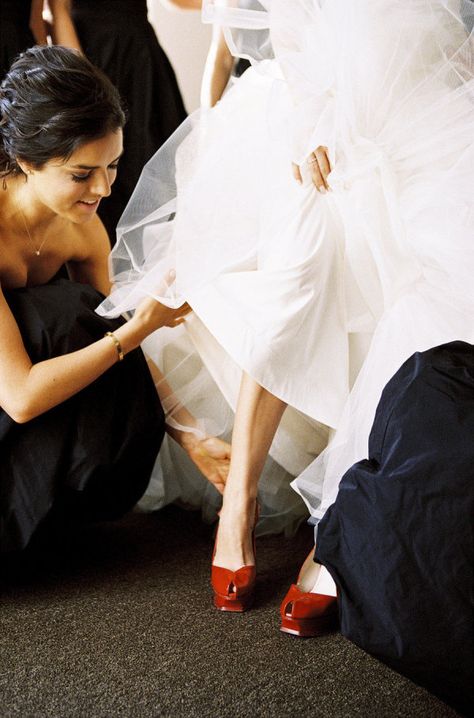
pixel 91 457
pixel 117 37
pixel 399 539
pixel 15 33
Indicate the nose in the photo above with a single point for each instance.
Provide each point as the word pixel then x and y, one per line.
pixel 101 184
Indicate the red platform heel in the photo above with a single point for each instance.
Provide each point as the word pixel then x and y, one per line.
pixel 308 614
pixel 234 590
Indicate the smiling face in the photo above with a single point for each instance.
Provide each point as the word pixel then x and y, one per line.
pixel 73 188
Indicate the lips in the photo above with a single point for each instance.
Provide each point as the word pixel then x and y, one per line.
pixel 89 205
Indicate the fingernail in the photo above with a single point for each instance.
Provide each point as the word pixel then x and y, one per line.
pixel 323 190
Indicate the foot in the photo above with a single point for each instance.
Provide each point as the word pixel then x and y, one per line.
pixel 234 541
pixel 310 606
pixel 315 578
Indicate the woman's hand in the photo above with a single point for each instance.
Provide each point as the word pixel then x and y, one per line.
pixel 149 316
pixel 319 166
pixel 211 456
pixel 152 314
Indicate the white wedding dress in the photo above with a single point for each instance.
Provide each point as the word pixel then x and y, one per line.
pixel 302 290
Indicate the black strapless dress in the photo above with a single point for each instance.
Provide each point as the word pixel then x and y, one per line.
pixel 399 539
pixel 15 33
pixel 91 457
pixel 117 37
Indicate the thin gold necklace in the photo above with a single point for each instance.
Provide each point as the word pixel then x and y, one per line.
pixel 37 250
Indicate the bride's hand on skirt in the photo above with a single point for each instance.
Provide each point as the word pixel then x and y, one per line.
pixel 319 167
pixel 212 457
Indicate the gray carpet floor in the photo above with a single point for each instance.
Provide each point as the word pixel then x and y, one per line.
pixel 120 623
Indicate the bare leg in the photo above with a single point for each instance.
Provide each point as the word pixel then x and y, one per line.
pixel 257 417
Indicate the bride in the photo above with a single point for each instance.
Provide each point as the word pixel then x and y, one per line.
pixel 307 279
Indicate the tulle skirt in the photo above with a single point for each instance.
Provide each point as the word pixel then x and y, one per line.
pixel 304 291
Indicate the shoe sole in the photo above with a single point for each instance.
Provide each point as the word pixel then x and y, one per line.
pixel 237 606
pixel 309 628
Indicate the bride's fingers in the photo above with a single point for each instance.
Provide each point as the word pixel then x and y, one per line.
pixel 296 173
pixel 324 165
pixel 316 175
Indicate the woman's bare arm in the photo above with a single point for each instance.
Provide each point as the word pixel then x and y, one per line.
pixel 37 24
pixel 63 31
pixel 28 390
pixel 217 71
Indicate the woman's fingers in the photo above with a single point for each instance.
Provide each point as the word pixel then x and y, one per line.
pixel 182 313
pixel 183 310
pixel 178 315
pixel 297 173
pixel 324 165
pixel 165 282
pixel 212 457
pixel 319 167
pixel 316 175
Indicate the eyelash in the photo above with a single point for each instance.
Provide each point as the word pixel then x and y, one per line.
pixel 84 178
pixel 80 178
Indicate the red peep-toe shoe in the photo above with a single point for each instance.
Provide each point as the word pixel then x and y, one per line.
pixel 308 614
pixel 234 590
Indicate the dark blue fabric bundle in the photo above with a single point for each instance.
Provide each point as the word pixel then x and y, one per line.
pixel 399 538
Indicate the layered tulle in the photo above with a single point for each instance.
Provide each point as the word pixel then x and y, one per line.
pixel 299 289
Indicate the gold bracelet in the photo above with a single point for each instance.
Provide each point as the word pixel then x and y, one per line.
pixel 117 344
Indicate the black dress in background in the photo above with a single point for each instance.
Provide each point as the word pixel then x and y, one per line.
pixel 399 539
pixel 117 37
pixel 91 457
pixel 15 33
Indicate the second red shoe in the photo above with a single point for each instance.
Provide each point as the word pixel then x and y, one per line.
pixel 308 614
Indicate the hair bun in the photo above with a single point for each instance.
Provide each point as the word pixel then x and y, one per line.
pixel 52 101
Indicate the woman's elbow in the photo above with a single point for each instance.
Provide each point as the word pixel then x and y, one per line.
pixel 21 412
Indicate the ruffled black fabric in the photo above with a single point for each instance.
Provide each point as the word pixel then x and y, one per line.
pixel 117 37
pixel 15 33
pixel 91 456
pixel 399 538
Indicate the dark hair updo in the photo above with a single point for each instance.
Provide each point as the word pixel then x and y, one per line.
pixel 52 101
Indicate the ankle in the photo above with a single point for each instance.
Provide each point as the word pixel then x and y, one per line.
pixel 239 494
pixel 241 507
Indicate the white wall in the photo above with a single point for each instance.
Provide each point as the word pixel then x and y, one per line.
pixel 186 41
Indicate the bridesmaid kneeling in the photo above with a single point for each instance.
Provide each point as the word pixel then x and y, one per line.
pixel 80 420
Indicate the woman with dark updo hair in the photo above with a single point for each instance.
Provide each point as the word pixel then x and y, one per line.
pixel 80 419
